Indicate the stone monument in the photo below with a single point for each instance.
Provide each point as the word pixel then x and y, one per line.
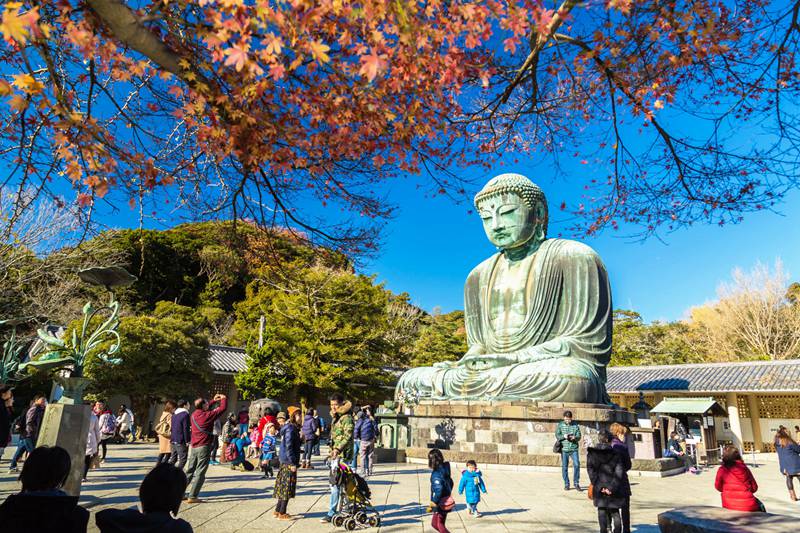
pixel 538 321
pixel 538 312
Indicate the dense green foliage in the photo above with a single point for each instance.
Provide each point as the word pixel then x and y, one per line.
pixel 204 264
pixel 325 328
pixel 659 343
pixel 443 337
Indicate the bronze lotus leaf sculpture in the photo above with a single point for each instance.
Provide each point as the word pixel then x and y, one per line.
pixel 108 277
pixel 13 350
pixel 86 341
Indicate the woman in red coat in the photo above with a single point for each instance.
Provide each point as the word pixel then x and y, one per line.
pixel 736 483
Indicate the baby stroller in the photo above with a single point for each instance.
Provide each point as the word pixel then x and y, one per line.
pixel 355 508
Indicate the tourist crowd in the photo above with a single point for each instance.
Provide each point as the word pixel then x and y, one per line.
pixel 284 442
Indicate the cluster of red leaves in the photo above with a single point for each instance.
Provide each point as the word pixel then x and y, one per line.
pixel 251 105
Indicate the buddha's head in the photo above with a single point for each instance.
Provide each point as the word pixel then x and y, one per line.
pixel 513 210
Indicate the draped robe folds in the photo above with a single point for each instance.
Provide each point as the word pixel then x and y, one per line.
pixel 562 348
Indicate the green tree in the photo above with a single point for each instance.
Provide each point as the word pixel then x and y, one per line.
pixel 443 337
pixel 164 355
pixel 659 343
pixel 325 328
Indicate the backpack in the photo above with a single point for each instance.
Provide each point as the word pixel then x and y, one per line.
pixel 110 425
pixel 231 452
pixel 18 424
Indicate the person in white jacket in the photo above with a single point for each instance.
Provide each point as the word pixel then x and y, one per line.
pixel 92 443
pixel 124 423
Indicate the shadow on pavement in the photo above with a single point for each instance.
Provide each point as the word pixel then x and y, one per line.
pixel 395 514
pixel 500 512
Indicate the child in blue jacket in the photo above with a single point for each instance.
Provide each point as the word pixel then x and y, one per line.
pixel 472 483
pixel 268 449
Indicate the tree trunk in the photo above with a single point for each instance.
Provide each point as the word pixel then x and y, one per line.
pixel 141 410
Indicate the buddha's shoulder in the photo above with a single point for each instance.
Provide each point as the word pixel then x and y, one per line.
pixel 565 248
pixel 483 266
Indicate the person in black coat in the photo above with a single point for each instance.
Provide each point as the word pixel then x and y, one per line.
pixel 42 506
pixel 160 493
pixel 289 456
pixel 619 445
pixel 6 404
pixel 607 472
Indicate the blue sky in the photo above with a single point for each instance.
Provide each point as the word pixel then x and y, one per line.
pixel 432 244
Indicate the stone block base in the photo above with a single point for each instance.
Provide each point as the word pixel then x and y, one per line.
pixel 702 519
pixel 390 455
pixel 67 426
pixel 505 432
pixel 515 434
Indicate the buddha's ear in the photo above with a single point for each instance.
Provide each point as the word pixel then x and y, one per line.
pixel 540 213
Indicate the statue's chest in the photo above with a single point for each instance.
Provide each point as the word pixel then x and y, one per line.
pixel 508 305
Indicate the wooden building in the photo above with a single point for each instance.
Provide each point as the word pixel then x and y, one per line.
pixel 759 396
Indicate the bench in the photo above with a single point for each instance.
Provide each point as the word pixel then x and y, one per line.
pixel 706 519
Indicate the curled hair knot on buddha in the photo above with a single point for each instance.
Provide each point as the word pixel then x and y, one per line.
pixel 530 193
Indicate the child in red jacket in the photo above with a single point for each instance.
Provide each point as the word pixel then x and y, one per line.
pixel 737 484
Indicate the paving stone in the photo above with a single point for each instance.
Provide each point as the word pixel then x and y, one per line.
pixel 518 501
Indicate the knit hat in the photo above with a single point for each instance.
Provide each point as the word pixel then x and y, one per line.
pixel 292 410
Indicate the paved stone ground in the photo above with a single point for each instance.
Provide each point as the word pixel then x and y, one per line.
pixel 516 501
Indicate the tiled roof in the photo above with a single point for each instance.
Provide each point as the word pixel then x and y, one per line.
pixel 226 358
pixel 694 406
pixel 750 376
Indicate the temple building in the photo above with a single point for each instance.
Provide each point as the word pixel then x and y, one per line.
pixel 226 362
pixel 759 396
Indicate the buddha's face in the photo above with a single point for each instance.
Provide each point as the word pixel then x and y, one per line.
pixel 508 221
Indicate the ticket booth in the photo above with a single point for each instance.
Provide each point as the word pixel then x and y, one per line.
pixel 693 420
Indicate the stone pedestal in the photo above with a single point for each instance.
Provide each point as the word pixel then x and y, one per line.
pixel 393 430
pixel 67 426
pixel 504 433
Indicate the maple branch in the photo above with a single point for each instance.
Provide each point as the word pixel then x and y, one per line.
pixel 127 27
pixel 541 40
pixel 288 212
pixel 665 136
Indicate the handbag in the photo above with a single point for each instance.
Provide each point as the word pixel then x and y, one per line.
pixel 761 507
pixel 558 447
pixel 163 428
pixel 590 492
pixel 447 503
